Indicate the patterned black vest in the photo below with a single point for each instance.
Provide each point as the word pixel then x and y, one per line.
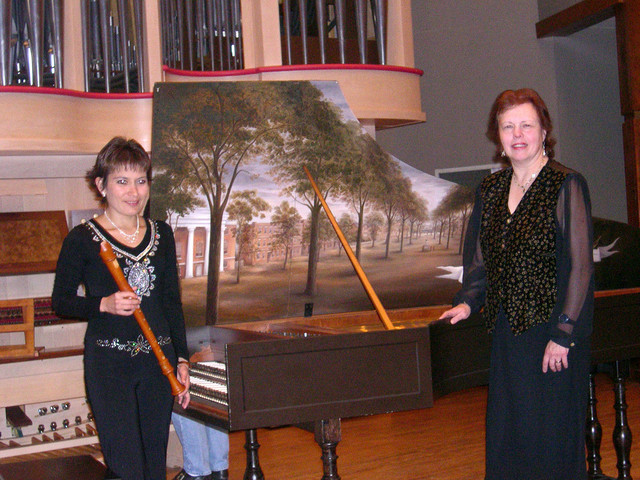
pixel 519 250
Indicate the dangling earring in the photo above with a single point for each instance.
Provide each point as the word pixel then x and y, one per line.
pixel 503 154
pixel 104 194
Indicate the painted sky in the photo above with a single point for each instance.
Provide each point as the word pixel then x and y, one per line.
pixel 427 186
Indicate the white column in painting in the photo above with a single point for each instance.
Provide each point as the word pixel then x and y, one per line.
pixel 189 253
pixel 206 250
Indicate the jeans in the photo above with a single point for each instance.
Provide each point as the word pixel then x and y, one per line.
pixel 205 449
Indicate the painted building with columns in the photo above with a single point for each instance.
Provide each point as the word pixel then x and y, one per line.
pixel 193 235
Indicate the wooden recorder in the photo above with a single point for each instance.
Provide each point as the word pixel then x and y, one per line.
pixel 110 260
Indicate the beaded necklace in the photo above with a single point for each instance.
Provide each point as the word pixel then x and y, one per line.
pixel 131 238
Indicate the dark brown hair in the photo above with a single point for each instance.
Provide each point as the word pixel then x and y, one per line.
pixel 117 153
pixel 512 98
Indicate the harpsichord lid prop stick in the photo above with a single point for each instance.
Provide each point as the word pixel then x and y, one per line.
pixel 109 259
pixel 382 313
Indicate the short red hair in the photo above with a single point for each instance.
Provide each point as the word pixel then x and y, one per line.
pixel 512 98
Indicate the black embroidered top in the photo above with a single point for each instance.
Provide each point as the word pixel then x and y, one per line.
pixel 151 270
pixel 536 264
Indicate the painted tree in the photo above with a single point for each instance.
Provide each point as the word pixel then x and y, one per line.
pixel 457 204
pixel 463 203
pixel 321 144
pixel 419 215
pixel 373 223
pixel 286 219
pixel 243 208
pixel 325 233
pixel 439 218
pixel 349 229
pixel 407 208
pixel 172 199
pixel 388 199
pixel 362 178
pixel 207 132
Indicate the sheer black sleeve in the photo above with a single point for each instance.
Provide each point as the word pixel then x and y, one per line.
pixel 572 316
pixel 474 281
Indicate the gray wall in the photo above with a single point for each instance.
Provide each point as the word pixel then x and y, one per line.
pixel 472 50
pixel 590 122
pixel 549 7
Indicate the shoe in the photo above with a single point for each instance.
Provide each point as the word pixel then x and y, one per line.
pixel 221 475
pixel 185 476
pixel 109 475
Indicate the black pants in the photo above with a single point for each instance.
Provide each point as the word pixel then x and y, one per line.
pixel 132 416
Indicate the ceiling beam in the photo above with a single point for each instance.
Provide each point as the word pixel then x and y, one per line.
pixel 577 17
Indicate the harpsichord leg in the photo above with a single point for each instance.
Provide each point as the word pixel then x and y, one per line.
pixel 593 435
pixel 594 432
pixel 328 433
pixel 621 432
pixel 253 470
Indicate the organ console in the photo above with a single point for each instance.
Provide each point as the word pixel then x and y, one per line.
pixel 42 401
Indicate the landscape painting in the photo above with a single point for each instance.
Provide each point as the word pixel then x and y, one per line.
pixel 252 239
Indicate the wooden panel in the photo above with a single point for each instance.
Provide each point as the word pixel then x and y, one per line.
pixel 459 355
pixel 19 187
pixel 370 93
pixel 631 140
pixel 30 241
pixel 628 42
pixel 63 121
pixel 41 387
pixel 577 17
pixel 298 380
pixel 83 467
pixel 616 333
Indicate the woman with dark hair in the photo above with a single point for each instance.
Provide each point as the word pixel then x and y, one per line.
pixel 528 261
pixel 129 395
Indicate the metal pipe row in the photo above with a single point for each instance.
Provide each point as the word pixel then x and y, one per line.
pixel 31 42
pixel 330 15
pixel 112 42
pixel 202 34
pixel 6 65
pixel 379 20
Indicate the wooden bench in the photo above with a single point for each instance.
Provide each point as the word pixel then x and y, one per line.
pixel 80 467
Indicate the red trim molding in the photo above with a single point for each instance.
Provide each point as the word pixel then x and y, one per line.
pixel 209 74
pixel 293 68
pixel 74 93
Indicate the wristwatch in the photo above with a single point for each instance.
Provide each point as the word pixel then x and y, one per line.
pixel 564 318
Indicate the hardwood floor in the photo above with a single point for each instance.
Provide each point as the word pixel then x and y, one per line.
pixel 445 442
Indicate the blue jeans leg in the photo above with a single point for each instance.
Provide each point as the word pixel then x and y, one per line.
pixel 204 449
pixel 218 449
